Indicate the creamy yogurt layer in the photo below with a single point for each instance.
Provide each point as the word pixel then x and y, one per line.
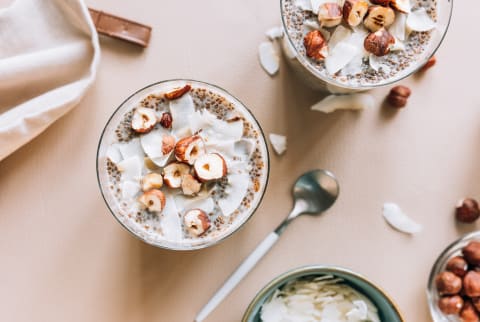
pixel 182 164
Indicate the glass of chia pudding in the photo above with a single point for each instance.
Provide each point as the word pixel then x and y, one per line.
pixel 355 45
pixel 182 164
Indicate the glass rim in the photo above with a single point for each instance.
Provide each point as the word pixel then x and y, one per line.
pixel 179 247
pixel 314 72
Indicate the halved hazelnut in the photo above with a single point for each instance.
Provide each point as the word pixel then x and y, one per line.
pixel 330 14
pixel 168 144
pixel 152 181
pixel 189 149
pixel 153 200
pixel 379 42
pixel 315 45
pixel 379 17
pixel 190 185
pixel 354 11
pixel 209 167
pixel 196 222
pixel 178 92
pixel 173 173
pixel 143 120
pixel 403 6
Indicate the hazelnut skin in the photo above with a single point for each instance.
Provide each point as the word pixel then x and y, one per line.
pixel 471 284
pixel 448 283
pixel 467 210
pixel 471 253
pixel 450 304
pixel 458 266
pixel 468 313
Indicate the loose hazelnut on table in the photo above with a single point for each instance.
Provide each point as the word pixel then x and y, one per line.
pixel 153 200
pixel 166 120
pixel 354 11
pixel 330 14
pixel 450 304
pixel 379 17
pixel 398 96
pixel 471 253
pixel 178 92
pixel 471 284
pixel 468 312
pixel 467 210
pixel 458 266
pixel 379 42
pixel 448 283
pixel 196 222
pixel 315 45
pixel 430 63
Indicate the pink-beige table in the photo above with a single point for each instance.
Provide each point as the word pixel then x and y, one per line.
pixel 63 257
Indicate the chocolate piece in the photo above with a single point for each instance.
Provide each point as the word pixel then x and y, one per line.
pixel 120 28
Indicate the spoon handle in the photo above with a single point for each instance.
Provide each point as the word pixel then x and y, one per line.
pixel 238 275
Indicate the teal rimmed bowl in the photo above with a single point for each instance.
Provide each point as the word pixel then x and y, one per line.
pixel 387 309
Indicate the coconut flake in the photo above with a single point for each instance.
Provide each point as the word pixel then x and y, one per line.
pixel 130 189
pixel 356 101
pixel 130 149
pixel 398 28
pixel 379 63
pixel 244 148
pixel 274 33
pixel 315 4
pixel 202 201
pixel 397 45
pixel 170 222
pixel 399 220
pixel 180 109
pixel 341 34
pixel 339 57
pixel 419 20
pixel 113 153
pixel 269 58
pixel 236 190
pixel 131 168
pixel 279 143
pixel 152 143
pixel 304 4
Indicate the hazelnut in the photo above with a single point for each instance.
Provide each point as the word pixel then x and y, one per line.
pixel 315 45
pixel 168 144
pixel 450 304
pixel 379 17
pixel 166 120
pixel 476 303
pixel 354 11
pixel 384 3
pixel 178 92
pixel 398 96
pixel 430 63
pixel 467 210
pixel 448 283
pixel 468 313
pixel 196 222
pixel 458 266
pixel 379 42
pixel 471 253
pixel 330 14
pixel 471 284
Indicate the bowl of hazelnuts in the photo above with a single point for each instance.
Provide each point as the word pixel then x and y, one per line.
pixel 454 283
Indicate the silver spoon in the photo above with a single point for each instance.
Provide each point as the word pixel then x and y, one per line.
pixel 314 192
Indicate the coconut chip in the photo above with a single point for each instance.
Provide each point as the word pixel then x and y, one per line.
pixel 113 153
pixel 379 63
pixel 419 20
pixel 236 190
pixel 274 33
pixel 171 223
pixel 304 4
pixel 399 220
pixel 269 58
pixel 398 28
pixel 131 168
pixel 332 103
pixel 279 143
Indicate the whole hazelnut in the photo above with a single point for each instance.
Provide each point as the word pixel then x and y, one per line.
pixel 315 45
pixel 467 210
pixel 379 42
pixel 448 283
pixel 468 313
pixel 471 284
pixel 450 304
pixel 398 96
pixel 458 266
pixel 166 120
pixel 471 253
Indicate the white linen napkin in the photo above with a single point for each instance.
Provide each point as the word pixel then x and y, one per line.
pixel 49 54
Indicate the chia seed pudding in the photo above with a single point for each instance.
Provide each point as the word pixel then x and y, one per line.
pixel 182 164
pixel 345 60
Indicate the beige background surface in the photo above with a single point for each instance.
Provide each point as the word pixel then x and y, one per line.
pixel 65 258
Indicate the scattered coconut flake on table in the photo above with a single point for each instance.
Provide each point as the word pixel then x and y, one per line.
pixel 399 220
pixel 269 58
pixel 419 20
pixel 274 33
pixel 324 298
pixel 356 101
pixel 279 143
